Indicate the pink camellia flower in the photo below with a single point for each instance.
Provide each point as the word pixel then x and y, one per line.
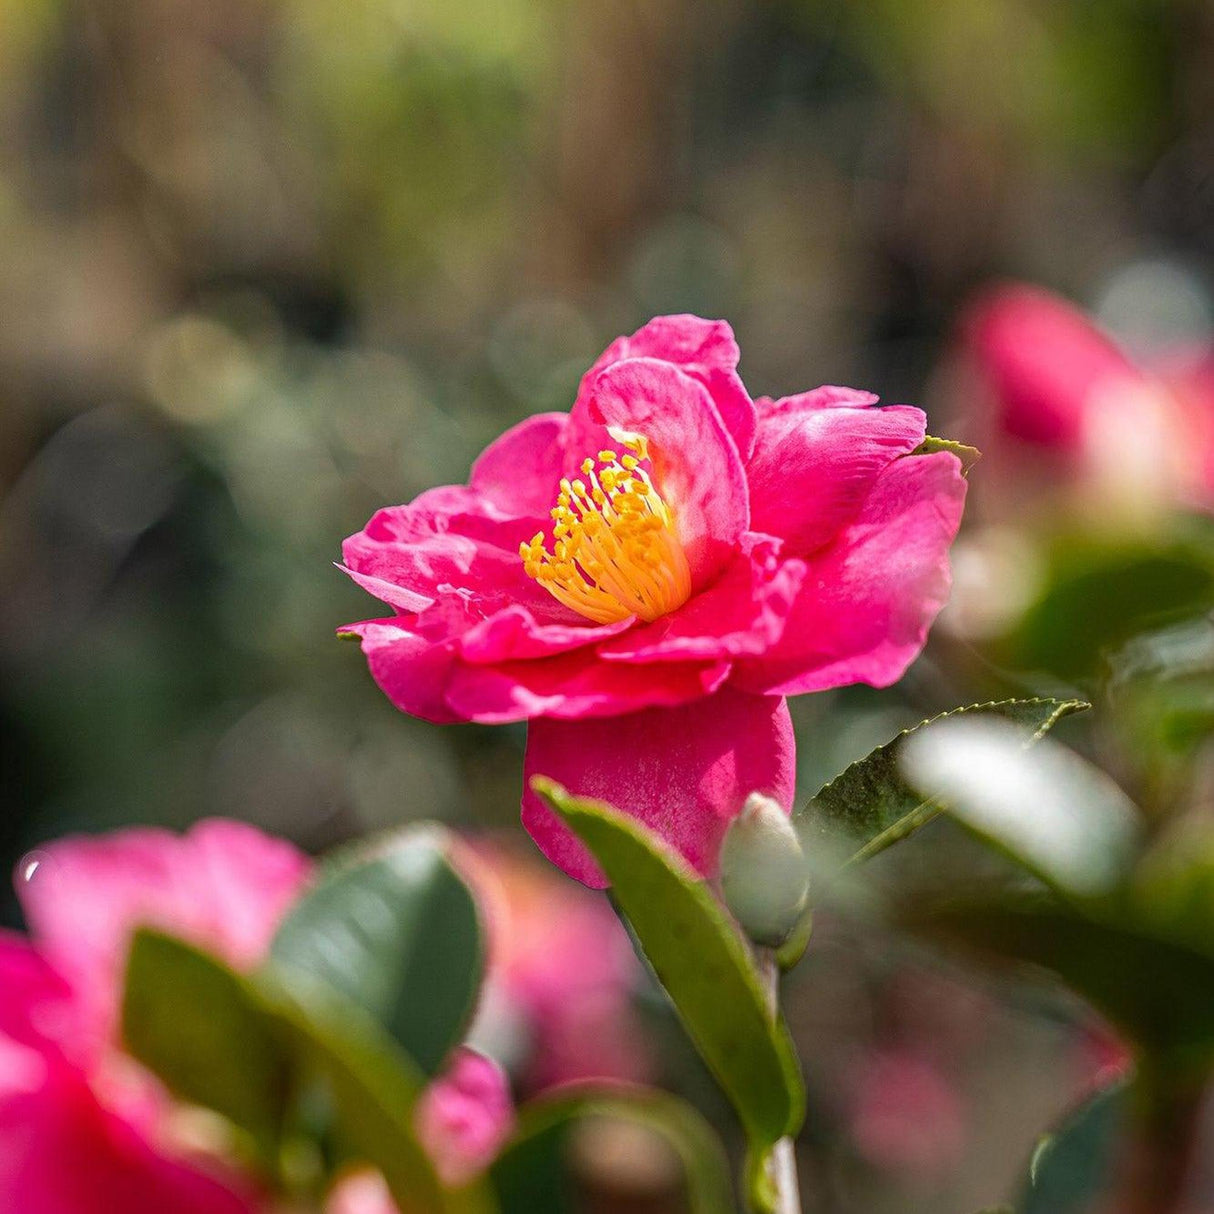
pixel 1065 402
pixel 646 578
pixel 82 1127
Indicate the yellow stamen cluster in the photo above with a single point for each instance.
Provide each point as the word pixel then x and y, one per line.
pixel 614 550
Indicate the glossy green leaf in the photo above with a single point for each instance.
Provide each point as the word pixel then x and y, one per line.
pixel 373 1090
pixel 1073 1165
pixel 968 456
pixel 531 1174
pixel 700 959
pixel 1157 989
pixel 246 1046
pixel 1048 809
pixel 195 1023
pixel 1098 595
pixel 871 805
pixel 397 932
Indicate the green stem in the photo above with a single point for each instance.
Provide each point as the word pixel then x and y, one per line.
pixel 779 1182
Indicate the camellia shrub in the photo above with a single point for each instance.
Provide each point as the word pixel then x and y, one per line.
pixel 216 1023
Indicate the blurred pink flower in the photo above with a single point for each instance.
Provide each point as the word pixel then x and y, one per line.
pixel 560 963
pixel 1058 387
pixel 708 555
pixel 905 1115
pixel 465 1116
pixel 81 1128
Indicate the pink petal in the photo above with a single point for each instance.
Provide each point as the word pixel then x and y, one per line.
pixel 224 885
pixel 244 882
pixel 742 614
pixel 520 472
pixel 683 772
pixel 450 541
pixel 1044 360
pixel 696 466
pixel 412 670
pixel 814 466
pixel 37 1009
pixel 828 396
pixel 61 1152
pixel 514 634
pixel 465 1116
pixel 573 685
pixel 870 597
pixel 705 350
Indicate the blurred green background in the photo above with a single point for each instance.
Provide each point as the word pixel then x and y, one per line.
pixel 269 264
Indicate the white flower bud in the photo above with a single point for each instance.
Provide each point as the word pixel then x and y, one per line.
pixel 764 877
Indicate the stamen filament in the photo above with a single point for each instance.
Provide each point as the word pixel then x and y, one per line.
pixel 615 552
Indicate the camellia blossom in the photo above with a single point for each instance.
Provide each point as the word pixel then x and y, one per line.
pixel 646 578
pixel 82 1127
pixel 1056 386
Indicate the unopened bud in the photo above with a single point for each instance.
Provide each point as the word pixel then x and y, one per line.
pixel 764 877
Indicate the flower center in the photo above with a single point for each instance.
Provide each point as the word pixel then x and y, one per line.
pixel 614 548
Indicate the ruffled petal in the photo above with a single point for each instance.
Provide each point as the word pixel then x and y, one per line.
pixel 412 670
pixel 683 772
pixel 62 1152
pixel 814 465
pixel 431 679
pixel 572 685
pixel 1044 360
pixel 37 1010
pixel 520 471
pixel 828 396
pixel 705 350
pixel 449 542
pixel 224 885
pixel 742 614
pixel 871 595
pixel 514 634
pixel 696 465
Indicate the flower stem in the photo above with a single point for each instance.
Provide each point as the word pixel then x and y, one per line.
pixel 782 1162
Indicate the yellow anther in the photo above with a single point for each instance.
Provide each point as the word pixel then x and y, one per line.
pixel 615 551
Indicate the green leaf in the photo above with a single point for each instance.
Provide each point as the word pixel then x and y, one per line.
pixel 246 1046
pixel 871 806
pixel 1072 1166
pixel 700 959
pixel 968 456
pixel 1158 990
pixel 373 1090
pixel 1098 595
pixel 531 1173
pixel 396 932
pixel 196 1024
pixel 1052 812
